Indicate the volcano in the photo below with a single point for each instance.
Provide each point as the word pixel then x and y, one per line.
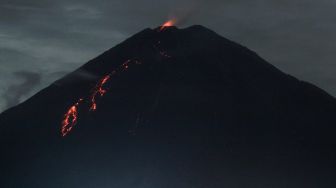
pixel 172 108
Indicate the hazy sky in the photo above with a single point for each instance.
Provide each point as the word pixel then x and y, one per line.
pixel 42 40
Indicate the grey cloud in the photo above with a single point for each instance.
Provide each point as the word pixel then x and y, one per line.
pixel 15 92
pixel 77 75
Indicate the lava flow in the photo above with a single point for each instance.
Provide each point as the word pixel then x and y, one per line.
pixel 70 118
pixel 99 90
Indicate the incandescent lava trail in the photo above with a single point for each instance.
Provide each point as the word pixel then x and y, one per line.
pixel 71 116
pixel 98 91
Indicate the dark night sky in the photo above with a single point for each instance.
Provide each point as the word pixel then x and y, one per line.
pixel 42 40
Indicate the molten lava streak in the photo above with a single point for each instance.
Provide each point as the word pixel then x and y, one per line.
pixel 169 23
pixel 98 91
pixel 70 118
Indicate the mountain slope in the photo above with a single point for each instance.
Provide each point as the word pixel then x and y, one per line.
pixel 179 108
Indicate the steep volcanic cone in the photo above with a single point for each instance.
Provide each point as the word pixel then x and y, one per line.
pixel 176 108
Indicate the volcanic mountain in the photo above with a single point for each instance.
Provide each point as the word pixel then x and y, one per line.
pixel 172 107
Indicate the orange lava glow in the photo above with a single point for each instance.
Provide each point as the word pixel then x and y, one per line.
pixel 169 23
pixel 98 91
pixel 70 118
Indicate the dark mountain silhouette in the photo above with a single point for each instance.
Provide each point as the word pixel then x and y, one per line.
pixel 183 108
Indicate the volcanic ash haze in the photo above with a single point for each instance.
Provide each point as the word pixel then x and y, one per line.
pixel 172 107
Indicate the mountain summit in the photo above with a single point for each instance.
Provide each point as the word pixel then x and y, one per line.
pixel 172 107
